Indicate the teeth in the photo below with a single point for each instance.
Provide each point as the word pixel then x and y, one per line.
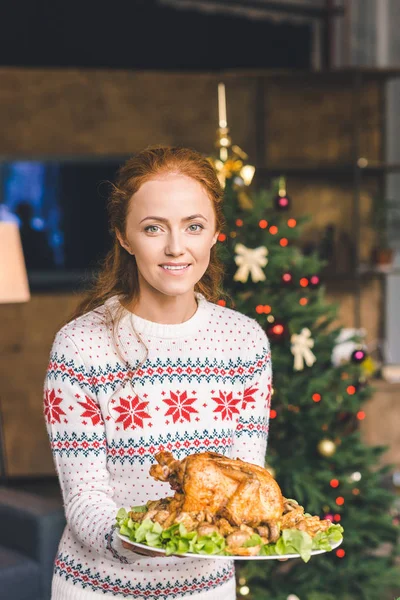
pixel 174 268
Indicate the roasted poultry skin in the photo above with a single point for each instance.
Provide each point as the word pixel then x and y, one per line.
pixel 240 492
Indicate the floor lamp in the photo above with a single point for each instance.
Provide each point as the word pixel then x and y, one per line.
pixel 13 288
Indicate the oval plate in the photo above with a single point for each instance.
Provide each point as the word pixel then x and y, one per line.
pixel 161 551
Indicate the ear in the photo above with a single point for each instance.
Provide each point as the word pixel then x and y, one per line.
pixel 215 238
pixel 123 243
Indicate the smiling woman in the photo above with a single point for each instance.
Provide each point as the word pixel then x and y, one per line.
pixel 203 382
pixel 173 253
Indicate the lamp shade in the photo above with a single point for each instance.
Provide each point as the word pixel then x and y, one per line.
pixel 13 278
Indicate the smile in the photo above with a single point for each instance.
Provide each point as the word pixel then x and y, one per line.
pixel 175 270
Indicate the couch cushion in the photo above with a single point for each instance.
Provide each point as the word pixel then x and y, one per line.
pixel 32 525
pixel 19 576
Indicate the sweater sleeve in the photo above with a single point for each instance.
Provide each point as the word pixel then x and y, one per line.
pixel 77 435
pixel 251 434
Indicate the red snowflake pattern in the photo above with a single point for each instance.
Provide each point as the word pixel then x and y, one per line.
pixel 92 411
pixel 180 406
pixel 131 412
pixel 248 396
pixel 226 405
pixel 52 410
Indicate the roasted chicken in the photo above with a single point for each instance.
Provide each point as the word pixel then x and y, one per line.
pixel 236 499
pixel 240 492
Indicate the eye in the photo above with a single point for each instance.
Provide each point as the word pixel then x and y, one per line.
pixel 196 225
pixel 151 227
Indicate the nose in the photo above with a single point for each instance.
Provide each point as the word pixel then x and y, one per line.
pixel 174 246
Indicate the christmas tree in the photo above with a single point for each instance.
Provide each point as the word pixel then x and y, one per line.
pixel 314 449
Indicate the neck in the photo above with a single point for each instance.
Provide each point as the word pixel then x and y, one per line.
pixel 167 310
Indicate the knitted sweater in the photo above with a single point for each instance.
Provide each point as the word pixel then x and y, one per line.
pixel 205 386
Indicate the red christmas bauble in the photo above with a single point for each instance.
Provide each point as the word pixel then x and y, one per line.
pixel 358 356
pixel 282 203
pixel 276 331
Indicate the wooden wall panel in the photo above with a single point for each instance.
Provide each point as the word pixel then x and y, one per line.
pixel 312 121
pixel 117 112
pixel 26 337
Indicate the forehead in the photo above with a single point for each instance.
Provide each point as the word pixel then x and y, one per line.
pixel 170 195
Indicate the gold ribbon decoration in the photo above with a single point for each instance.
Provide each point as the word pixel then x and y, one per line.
pixel 250 261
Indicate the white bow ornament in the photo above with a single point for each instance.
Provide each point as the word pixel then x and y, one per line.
pixel 301 349
pixel 250 261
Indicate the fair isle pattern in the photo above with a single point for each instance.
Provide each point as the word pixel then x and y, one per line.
pixel 253 427
pixel 78 444
pixel 180 444
pixel 158 371
pixel 210 391
pixel 71 570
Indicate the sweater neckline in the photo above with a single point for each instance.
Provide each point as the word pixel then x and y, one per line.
pixel 168 330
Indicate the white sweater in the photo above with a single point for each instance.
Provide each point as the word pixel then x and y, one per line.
pixel 205 386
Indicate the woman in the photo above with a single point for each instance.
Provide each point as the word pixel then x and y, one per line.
pixel 149 362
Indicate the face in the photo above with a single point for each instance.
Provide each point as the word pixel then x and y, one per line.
pixel 170 230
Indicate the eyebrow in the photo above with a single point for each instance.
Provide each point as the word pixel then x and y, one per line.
pixel 166 220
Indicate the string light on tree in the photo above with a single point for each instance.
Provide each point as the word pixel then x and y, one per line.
pixel 263 309
pixel 304 282
pixel 351 390
pixel 276 331
pixel 315 281
pixel 287 279
pixel 326 447
pixel 282 201
pixel 337 518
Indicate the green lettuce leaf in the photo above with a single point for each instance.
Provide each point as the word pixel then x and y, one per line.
pixel 176 539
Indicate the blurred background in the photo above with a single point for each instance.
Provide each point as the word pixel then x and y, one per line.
pixel 312 94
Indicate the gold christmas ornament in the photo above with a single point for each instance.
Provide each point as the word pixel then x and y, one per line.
pixel 231 163
pixel 326 447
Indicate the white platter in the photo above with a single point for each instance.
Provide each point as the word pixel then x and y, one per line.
pixel 161 552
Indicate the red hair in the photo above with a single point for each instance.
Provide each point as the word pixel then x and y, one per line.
pixel 119 273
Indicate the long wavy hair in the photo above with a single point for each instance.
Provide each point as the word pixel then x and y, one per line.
pixel 118 274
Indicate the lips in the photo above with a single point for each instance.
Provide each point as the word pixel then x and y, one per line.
pixel 175 268
pixel 174 264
